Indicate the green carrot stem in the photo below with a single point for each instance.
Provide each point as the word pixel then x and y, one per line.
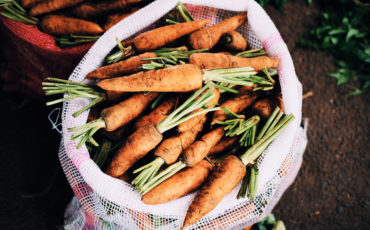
pixel 162 176
pixel 268 123
pixel 253 183
pixel 85 132
pixel 268 75
pixel 243 188
pixel 147 172
pixel 184 12
pixel 158 100
pixel 256 150
pixel 252 53
pixel 101 156
pixel 88 106
pixel 276 120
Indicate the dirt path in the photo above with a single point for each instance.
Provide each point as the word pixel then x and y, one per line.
pixel 331 190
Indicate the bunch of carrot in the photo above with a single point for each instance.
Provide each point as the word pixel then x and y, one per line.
pixel 72 22
pixel 186 109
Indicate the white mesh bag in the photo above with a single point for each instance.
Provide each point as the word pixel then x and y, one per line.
pixel 103 202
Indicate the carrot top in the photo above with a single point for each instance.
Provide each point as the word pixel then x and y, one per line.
pixel 53 86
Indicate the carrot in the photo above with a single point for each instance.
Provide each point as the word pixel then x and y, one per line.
pixel 128 66
pixel 236 104
pixel 115 18
pixel 149 136
pixel 221 182
pixel 208 37
pixel 157 114
pixel 192 155
pixel 199 149
pixel 137 146
pixel 29 3
pixel 124 112
pixel 171 148
pixel 234 41
pixel 265 106
pixel 62 25
pixel 230 172
pixel 161 36
pixel 113 117
pixel 179 184
pixel 179 78
pixel 218 60
pixel 92 9
pixel 191 122
pixel 224 145
pixel 167 153
pixel 52 5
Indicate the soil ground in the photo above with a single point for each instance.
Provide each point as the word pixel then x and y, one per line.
pixel 330 192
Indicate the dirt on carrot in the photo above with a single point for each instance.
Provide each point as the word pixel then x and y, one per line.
pixel 120 114
pixel 52 5
pixel 161 36
pixel 234 41
pixel 219 60
pixel 200 149
pixel 208 37
pixel 62 25
pixel 221 182
pixel 179 184
pixel 179 78
pixel 128 66
pixel 137 146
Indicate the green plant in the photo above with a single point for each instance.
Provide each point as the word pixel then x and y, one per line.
pixel 344 33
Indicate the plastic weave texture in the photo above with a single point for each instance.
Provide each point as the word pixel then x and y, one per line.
pixel 103 202
pixel 32 56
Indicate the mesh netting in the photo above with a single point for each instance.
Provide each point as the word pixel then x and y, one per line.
pixel 103 202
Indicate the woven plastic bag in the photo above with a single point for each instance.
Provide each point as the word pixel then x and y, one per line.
pixel 32 56
pixel 103 202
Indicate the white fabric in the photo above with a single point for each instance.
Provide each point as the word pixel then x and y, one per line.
pixel 113 200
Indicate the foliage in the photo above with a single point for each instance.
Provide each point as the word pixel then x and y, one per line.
pixel 344 33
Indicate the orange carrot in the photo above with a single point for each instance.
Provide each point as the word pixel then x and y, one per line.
pixel 218 60
pixel 92 9
pixel 236 104
pixel 52 5
pixel 62 25
pixel 222 181
pixel 115 18
pixel 113 117
pixel 158 113
pixel 234 41
pixel 199 149
pixel 171 148
pixel 161 36
pixel 230 172
pixel 179 78
pixel 141 142
pixel 179 184
pixel 29 3
pixel 128 66
pixel 208 37
pixel 187 125
pixel 124 112
pixel 224 145
pixel 128 154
